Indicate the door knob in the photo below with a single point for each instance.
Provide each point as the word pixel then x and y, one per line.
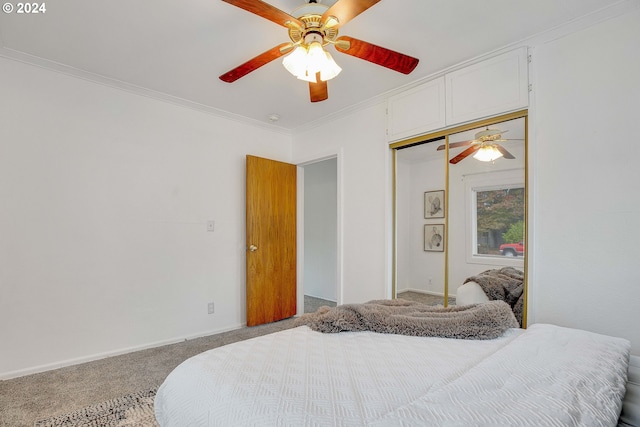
pixel 253 248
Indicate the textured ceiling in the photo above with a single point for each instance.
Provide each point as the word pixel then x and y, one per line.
pixel 177 49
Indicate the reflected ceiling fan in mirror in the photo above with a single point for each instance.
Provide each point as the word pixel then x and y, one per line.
pixel 484 147
pixel 313 26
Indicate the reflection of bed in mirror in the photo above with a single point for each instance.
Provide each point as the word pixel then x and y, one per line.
pixel 498 284
pixel 470 293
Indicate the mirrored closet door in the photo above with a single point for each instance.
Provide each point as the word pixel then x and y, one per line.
pixel 420 221
pixel 460 213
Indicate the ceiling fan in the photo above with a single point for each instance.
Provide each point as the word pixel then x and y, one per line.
pixel 485 146
pixel 313 26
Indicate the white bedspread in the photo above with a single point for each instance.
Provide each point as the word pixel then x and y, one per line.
pixel 545 375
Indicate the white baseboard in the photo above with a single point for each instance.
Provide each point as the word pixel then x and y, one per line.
pixel 104 355
pixel 324 298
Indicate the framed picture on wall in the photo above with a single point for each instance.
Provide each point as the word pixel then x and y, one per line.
pixel 434 237
pixel 434 204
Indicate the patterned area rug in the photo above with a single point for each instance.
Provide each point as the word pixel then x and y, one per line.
pixel 132 410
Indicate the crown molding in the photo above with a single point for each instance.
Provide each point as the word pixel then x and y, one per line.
pixel 49 65
pixel 617 9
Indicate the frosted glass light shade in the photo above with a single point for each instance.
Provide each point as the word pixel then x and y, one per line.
pixel 315 58
pixel 488 153
pixel 296 61
pixel 305 62
pixel 330 68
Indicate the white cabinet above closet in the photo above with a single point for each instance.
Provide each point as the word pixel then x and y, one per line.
pixel 497 85
pixel 416 111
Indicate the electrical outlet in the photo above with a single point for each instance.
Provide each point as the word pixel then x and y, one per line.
pixel 210 308
pixel 211 225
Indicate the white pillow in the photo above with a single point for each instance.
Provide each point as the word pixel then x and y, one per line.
pixel 470 293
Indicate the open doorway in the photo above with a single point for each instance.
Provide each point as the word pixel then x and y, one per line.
pixel 320 265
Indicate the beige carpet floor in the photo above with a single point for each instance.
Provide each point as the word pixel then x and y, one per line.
pixel 27 399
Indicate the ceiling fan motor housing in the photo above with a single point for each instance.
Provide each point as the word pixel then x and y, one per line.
pixel 489 135
pixel 311 15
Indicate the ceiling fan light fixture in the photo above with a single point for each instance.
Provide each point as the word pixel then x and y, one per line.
pixel 487 153
pixel 330 68
pixel 296 61
pixel 306 61
pixel 316 58
pixel 311 78
pixel 315 22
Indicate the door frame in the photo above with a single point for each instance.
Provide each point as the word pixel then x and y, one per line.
pixel 300 163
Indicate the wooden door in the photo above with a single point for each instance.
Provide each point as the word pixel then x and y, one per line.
pixel 271 240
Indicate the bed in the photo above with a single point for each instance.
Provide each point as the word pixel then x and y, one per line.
pixel 542 376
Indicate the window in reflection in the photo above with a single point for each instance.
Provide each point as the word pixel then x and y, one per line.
pixel 499 224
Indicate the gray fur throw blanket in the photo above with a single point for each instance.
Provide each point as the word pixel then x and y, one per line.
pixel 504 284
pixel 476 321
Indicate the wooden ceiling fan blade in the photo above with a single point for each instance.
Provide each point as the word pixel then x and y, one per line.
pixel 456 144
pixel 345 11
pixel 318 91
pixel 466 153
pixel 266 11
pixel 505 153
pixel 378 55
pixel 254 63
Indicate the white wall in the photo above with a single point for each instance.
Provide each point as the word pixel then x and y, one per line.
pixel 320 229
pixel 105 197
pixel 359 137
pixel 587 199
pixel 418 270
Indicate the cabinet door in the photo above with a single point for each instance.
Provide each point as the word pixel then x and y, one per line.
pixel 495 86
pixel 416 111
